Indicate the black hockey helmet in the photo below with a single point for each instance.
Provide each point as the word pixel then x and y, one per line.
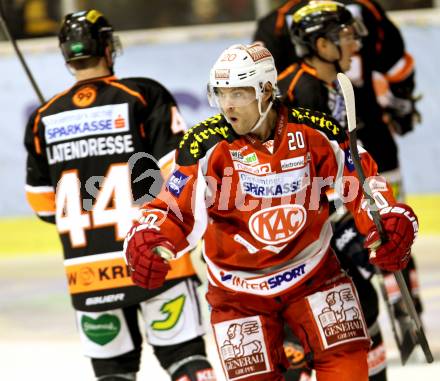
pixel 320 19
pixel 86 34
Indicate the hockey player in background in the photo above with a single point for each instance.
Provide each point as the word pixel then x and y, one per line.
pixel 79 146
pixel 326 37
pixel 252 181
pixel 382 52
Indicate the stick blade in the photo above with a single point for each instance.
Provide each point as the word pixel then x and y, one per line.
pixel 348 93
pixel 408 344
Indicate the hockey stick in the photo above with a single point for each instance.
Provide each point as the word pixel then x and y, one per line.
pixel 348 94
pixel 347 90
pixel 5 28
pixel 408 339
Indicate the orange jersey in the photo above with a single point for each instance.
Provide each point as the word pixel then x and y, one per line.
pixel 261 208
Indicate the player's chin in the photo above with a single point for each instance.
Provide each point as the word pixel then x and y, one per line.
pixel 238 128
pixel 345 65
pixel 240 131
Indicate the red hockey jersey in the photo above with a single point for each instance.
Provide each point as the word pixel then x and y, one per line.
pixel 261 208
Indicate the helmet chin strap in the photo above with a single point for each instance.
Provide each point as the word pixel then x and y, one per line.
pixel 263 115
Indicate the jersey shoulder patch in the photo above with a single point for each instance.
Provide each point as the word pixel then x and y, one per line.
pixel 319 121
pixel 203 136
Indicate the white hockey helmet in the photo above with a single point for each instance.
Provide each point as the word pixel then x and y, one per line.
pixel 243 66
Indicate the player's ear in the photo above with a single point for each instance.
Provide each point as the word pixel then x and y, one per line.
pixel 109 56
pixel 321 44
pixel 268 90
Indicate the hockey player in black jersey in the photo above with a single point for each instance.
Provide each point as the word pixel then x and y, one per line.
pixel 328 39
pixel 382 51
pixel 88 149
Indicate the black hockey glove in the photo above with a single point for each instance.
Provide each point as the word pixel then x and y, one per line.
pixel 348 244
pixel 401 114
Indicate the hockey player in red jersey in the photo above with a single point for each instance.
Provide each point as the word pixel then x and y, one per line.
pixel 251 181
pixel 79 148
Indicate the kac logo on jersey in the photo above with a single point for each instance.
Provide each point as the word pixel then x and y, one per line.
pixel 177 182
pixel 277 224
pixel 349 160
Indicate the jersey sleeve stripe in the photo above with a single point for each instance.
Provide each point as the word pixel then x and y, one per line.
pixel 401 69
pixel 288 71
pixel 142 131
pixel 42 202
pixel 293 84
pixel 281 16
pixel 127 90
pixel 37 120
pixel 46 106
pixel 370 6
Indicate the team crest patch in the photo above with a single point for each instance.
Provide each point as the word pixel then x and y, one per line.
pixel 337 314
pixel 277 224
pixel 242 347
pixel 177 182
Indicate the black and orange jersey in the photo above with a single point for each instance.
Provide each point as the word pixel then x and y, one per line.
pixel 261 207
pixel 383 51
pixel 80 146
pixel 273 32
pixel 383 47
pixel 301 87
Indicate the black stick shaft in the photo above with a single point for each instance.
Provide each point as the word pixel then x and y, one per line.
pixel 5 28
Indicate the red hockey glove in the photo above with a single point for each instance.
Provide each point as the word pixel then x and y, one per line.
pixel 401 227
pixel 147 251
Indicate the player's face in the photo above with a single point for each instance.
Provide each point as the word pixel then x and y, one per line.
pixel 240 107
pixel 349 44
